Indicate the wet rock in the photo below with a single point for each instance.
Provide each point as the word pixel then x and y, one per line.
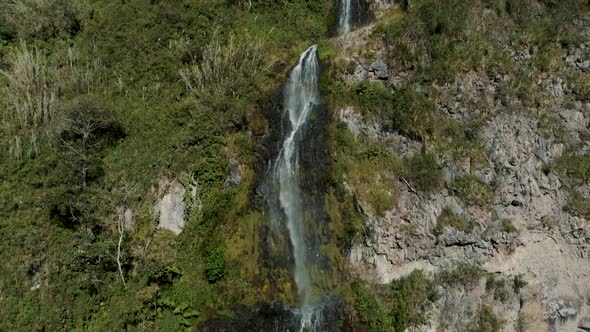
pixel 278 317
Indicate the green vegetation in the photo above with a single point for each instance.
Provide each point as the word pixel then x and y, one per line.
pixel 424 172
pixel 370 310
pixel 99 101
pixel 369 168
pixel 460 274
pixel 405 111
pixel 574 167
pixel 448 218
pixel 471 191
pixel 499 288
pixel 518 283
pixel 507 226
pixel 411 298
pixel 574 171
pixel 404 304
pixel 486 321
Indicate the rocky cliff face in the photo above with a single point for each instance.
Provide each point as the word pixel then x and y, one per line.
pixel 523 232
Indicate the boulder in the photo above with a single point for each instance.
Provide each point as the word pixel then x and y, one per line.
pixel 584 324
pixel 171 206
pixel 380 69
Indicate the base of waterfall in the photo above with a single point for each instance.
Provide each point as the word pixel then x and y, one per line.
pixel 326 315
pixel 311 317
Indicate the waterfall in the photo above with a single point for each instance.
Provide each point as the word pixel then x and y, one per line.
pixel 344 16
pixel 301 97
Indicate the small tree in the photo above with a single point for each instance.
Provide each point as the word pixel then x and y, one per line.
pixel 85 128
pixel 45 18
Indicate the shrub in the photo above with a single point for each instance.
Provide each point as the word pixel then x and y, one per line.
pixel 498 286
pixel 473 192
pixel 461 274
pixel 578 205
pixel 424 172
pixel 574 171
pixel 7 30
pixel 507 226
pixel 85 127
pixel 449 218
pixel 411 297
pixel 353 222
pixel 433 38
pixel 215 270
pixel 412 114
pixel 370 310
pixel 486 321
pixel 576 167
pixel 372 98
pixel 404 110
pixel 46 18
pixel 518 283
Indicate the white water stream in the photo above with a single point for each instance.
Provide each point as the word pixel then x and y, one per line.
pixel 344 16
pixel 301 97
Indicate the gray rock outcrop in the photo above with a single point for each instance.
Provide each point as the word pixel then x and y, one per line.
pixel 171 207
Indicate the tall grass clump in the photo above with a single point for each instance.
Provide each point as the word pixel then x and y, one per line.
pixel 225 68
pixel 31 94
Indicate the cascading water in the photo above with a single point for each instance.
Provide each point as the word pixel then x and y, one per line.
pixel 344 16
pixel 301 97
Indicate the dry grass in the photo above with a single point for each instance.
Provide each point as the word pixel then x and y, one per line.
pixel 31 86
pixel 32 94
pixel 224 65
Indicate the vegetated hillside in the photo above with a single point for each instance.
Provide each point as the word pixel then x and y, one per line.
pixel 135 134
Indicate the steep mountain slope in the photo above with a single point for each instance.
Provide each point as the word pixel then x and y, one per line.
pixel 444 168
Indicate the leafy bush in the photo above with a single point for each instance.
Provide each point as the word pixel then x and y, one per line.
pixel 85 127
pixel 576 167
pixel 432 37
pixel 461 274
pixel 578 204
pixel 518 283
pixel 7 30
pixel 449 218
pixel 411 298
pixel 403 110
pixel 411 114
pixel 353 222
pixel 215 265
pixel 499 288
pixel 507 226
pixel 46 18
pixel 424 172
pixel 486 321
pixel 574 171
pixel 370 310
pixel 471 191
